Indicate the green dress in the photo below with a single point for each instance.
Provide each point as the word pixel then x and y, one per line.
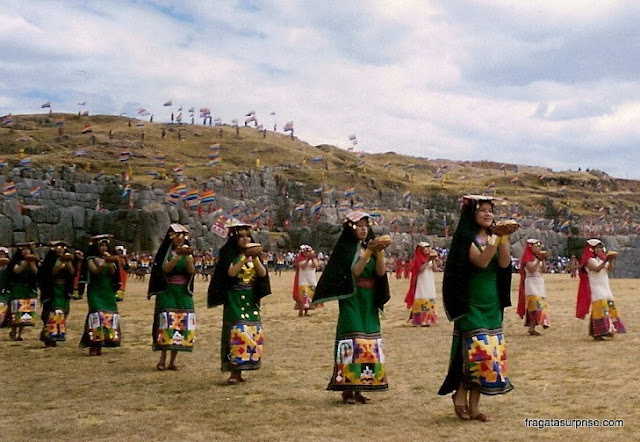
pixel 478 340
pixel 359 357
pixel 174 323
pixel 23 298
pixel 4 296
pixel 242 336
pixel 56 309
pixel 102 327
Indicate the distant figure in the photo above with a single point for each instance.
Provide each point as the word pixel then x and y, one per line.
pixel 532 297
pixel 111 134
pixel 172 117
pixel 594 291
pixel 421 297
pixel 163 133
pixel 304 283
pixel 151 119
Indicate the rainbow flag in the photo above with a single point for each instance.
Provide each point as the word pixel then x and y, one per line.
pixel 316 207
pixel 214 156
pixel 3 163
pixel 191 195
pixel 87 129
pixel 350 191
pixel 214 162
pixel 215 146
pixel 208 196
pixel 299 208
pixel 406 195
pixel 125 155
pixel 80 152
pixel 25 162
pixel 178 190
pixel 193 204
pixel 35 192
pixel 317 159
pixel 9 189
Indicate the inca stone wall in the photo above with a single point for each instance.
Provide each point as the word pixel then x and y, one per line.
pixel 65 204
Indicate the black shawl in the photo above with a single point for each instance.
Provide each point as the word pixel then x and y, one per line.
pixel 337 280
pixel 158 281
pixel 458 268
pixel 221 282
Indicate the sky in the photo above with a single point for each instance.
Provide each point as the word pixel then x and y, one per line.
pixel 552 83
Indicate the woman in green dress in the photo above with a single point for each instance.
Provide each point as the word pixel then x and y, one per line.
pixel 356 276
pixel 240 280
pixel 23 289
pixel 174 320
pixel 102 327
pixel 4 288
pixel 476 289
pixel 55 279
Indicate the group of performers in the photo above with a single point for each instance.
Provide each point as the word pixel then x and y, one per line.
pixel 476 289
pixel 61 276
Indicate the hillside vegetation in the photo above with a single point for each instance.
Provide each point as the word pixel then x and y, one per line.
pixel 58 139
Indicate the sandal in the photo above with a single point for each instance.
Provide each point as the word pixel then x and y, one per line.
pixel 160 366
pixel 482 417
pixel 347 398
pixel 359 397
pixel 534 333
pixel 462 411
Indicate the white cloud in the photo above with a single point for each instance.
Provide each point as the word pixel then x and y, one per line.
pixel 542 83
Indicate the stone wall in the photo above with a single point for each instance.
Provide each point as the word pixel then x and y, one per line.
pixel 72 205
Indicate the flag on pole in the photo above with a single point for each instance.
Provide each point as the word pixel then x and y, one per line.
pixel 316 207
pixel 46 104
pixel 208 196
pixel 9 189
pixel 288 126
pixel 350 191
pixel 35 192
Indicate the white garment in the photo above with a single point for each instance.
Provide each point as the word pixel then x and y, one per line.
pixel 425 283
pixel 534 282
pixel 306 273
pixel 599 281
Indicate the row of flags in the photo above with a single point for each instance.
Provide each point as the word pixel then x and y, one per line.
pixel 9 189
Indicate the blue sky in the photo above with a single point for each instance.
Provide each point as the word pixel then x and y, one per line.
pixel 545 83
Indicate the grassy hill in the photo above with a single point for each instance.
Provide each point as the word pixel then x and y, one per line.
pixel 57 139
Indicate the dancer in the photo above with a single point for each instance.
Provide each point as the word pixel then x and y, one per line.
pixel 4 286
pixel 23 289
pixel 356 276
pixel 304 281
pixel 240 280
pixel 121 261
pixel 55 279
pixel 421 297
pixel 172 275
pixel 102 327
pixel 476 289
pixel 594 291
pixel 532 297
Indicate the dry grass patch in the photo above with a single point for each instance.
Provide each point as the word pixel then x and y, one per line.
pixel 64 394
